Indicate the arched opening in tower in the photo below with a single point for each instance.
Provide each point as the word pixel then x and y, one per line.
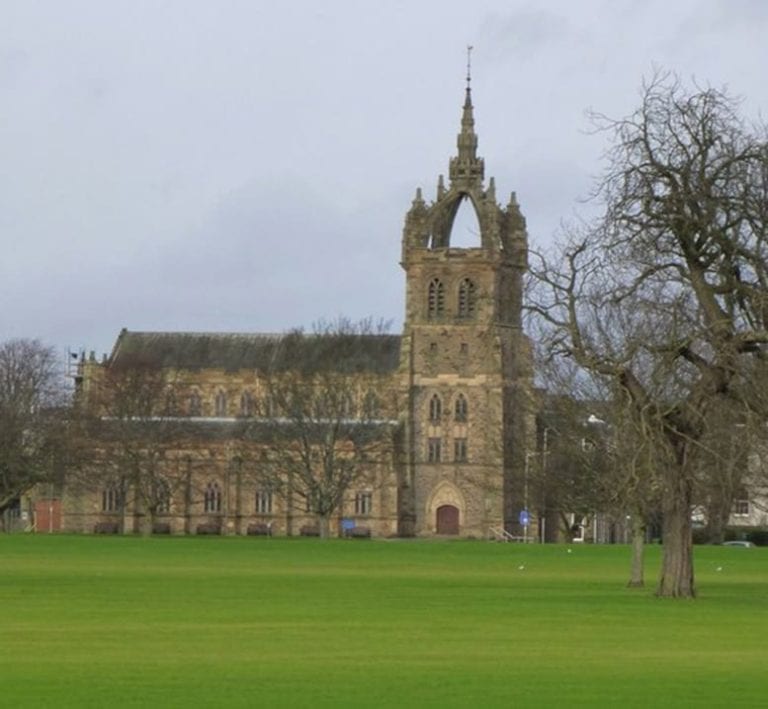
pixel 465 231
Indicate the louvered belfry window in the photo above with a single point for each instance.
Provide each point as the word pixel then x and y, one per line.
pixel 435 299
pixel 466 303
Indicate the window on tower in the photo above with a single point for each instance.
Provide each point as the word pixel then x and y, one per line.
pixel 435 299
pixel 467 298
pixel 460 450
pixel 433 450
pixel 435 408
pixel 460 409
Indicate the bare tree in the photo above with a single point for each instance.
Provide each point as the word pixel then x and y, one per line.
pixel 666 295
pixel 33 418
pixel 323 422
pixel 133 429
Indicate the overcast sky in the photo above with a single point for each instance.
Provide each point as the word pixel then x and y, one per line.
pixel 243 165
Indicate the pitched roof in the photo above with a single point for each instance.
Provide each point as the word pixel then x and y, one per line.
pixel 234 351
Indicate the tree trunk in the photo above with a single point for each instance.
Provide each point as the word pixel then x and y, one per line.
pixel 324 525
pixel 636 574
pixel 146 522
pixel 676 580
pixel 718 513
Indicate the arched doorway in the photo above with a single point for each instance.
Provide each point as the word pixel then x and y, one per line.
pixel 447 519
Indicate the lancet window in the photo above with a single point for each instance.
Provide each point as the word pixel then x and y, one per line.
pixel 467 299
pixel 460 410
pixel 435 299
pixel 221 403
pixel 435 408
pixel 246 404
pixel 212 497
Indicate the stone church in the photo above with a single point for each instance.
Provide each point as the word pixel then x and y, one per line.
pixel 453 417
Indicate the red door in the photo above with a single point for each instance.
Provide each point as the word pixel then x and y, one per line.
pixel 47 516
pixel 447 519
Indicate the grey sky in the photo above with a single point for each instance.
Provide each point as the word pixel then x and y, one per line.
pixel 246 165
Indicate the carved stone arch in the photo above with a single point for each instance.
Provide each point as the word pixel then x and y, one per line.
pixel 445 493
pixel 435 408
pixel 443 215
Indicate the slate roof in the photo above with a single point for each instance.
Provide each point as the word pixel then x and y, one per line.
pixel 378 354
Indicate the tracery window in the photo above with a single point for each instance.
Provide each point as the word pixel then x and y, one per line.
pixel 467 298
pixel 460 409
pixel 264 502
pixel 212 498
pixel 435 408
pixel 112 498
pixel 435 298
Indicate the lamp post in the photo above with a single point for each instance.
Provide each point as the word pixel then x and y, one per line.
pixel 524 517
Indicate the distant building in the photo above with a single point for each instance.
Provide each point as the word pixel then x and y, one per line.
pixel 453 393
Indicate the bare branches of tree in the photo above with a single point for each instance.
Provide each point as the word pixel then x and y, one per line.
pixel 131 437
pixel 665 295
pixel 325 422
pixel 32 417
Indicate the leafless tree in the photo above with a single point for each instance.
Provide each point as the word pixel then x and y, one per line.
pixel 323 423
pixel 133 429
pixel 666 295
pixel 33 418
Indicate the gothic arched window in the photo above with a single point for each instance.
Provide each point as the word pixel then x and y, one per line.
pixel 435 298
pixel 195 405
pixel 212 498
pixel 112 498
pixel 264 502
pixel 246 404
pixel 466 304
pixel 460 408
pixel 435 408
pixel 221 403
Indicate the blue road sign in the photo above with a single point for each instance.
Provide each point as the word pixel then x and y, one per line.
pixel 525 518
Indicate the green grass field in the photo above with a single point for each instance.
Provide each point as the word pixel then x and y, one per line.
pixel 206 622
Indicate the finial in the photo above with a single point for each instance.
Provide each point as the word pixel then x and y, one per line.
pixel 469 65
pixel 491 193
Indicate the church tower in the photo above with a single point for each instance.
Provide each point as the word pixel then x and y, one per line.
pixel 465 368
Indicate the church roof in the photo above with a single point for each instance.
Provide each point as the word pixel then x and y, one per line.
pixel 230 351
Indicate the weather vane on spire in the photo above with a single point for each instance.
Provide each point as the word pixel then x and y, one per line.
pixel 469 64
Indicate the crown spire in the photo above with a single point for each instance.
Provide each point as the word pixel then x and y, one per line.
pixel 467 140
pixel 466 164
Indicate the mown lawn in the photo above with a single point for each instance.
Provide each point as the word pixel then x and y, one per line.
pixel 205 622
